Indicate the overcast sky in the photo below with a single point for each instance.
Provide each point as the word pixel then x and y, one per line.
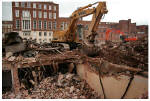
pixel 136 10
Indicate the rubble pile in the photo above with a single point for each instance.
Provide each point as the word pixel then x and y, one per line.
pixel 58 86
pixel 134 53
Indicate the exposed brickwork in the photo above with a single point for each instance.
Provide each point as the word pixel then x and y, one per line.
pixel 7 26
pixel 31 9
pixel 124 26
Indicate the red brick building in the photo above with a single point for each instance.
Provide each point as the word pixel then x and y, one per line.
pixel 7 26
pixel 142 30
pixel 36 20
pixel 124 26
pixel 39 20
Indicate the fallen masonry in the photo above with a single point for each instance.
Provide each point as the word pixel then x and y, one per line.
pixel 33 70
pixel 57 86
pixel 36 69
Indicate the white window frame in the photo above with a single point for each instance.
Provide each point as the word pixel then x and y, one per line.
pixel 22 4
pixel 40 33
pixel 54 15
pixel 17 13
pixel 50 7
pixel 55 8
pixel 50 34
pixel 45 24
pixel 16 4
pixel 34 5
pixel 26 24
pixel 40 14
pixel 45 14
pixel 62 26
pixel 34 24
pixel 50 25
pixel 45 33
pixel 54 25
pixel 45 6
pixel 28 4
pixel 50 15
pixel 25 13
pixel 40 24
pixel 17 24
pixel 34 14
pixel 40 6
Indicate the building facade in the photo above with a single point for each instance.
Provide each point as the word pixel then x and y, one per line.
pixel 142 30
pixel 39 20
pixel 35 20
pixel 123 26
pixel 7 26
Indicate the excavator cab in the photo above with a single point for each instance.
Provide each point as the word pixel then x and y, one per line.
pixel 69 35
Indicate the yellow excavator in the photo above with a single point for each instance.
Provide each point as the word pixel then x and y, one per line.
pixel 68 35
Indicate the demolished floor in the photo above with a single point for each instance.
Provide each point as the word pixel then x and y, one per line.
pixel 50 73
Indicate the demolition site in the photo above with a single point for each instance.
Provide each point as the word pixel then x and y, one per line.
pixel 67 58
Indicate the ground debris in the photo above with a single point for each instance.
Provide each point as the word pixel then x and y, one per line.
pixel 57 86
pixel 133 54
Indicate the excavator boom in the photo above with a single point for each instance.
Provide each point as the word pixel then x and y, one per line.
pixel 68 35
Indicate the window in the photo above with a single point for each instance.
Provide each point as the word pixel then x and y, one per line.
pixel 45 24
pixel 34 5
pixel 26 25
pixel 50 7
pixel 17 13
pixel 40 24
pixel 54 8
pixel 44 40
pixel 28 4
pixel 50 25
pixel 22 4
pixel 40 6
pixel 26 33
pixel 54 15
pixel 45 14
pixel 62 26
pixel 25 13
pixel 45 6
pixel 50 15
pixel 54 24
pixel 16 4
pixel 50 33
pixel 45 34
pixel 34 24
pixel 66 25
pixel 40 14
pixel 34 14
pixel 17 24
pixel 40 33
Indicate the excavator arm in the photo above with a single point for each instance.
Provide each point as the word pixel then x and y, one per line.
pixel 68 35
pixel 89 47
pixel 99 11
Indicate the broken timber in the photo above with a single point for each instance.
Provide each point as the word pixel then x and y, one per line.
pixel 51 59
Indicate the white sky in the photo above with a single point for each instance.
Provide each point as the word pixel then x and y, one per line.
pixel 136 10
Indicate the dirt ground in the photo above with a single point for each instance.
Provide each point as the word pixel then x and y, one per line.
pixel 133 54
